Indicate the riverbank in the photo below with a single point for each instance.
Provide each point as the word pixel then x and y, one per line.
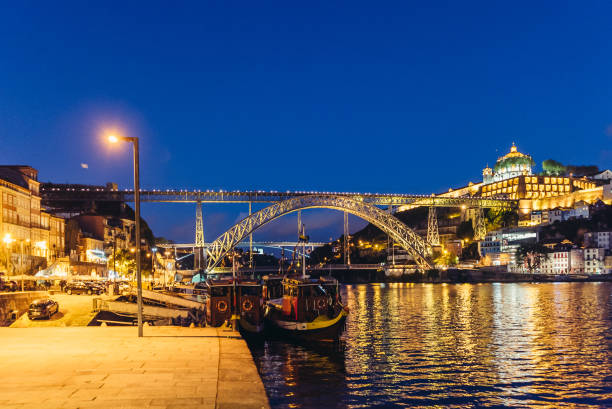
pixel 461 276
pixel 103 367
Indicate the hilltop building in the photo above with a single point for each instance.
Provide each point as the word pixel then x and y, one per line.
pixel 511 165
pixel 512 177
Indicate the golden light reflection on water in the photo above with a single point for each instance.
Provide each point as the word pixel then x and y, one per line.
pixel 428 345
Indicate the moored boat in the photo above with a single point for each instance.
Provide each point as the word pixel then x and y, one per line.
pixel 219 300
pixel 232 300
pixel 309 309
pixel 249 305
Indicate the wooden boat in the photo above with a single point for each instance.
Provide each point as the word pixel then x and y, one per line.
pixel 219 301
pixel 237 300
pixel 249 305
pixel 309 309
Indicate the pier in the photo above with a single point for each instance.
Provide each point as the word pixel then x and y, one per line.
pixel 108 367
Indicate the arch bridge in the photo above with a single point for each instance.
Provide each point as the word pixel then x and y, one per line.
pixel 418 248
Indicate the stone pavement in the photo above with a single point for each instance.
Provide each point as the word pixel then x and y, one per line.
pixel 110 367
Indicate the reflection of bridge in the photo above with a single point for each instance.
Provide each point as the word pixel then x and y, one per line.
pixel 286 245
pixel 363 205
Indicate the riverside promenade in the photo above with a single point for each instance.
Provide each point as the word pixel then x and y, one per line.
pixel 110 367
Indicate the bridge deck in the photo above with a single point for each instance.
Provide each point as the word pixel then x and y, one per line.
pixel 55 192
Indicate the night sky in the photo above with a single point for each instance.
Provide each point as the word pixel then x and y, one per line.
pixel 372 97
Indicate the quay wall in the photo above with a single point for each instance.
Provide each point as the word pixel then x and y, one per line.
pixel 17 301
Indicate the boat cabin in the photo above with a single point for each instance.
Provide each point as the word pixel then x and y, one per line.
pixel 249 303
pixel 272 287
pixel 219 302
pixel 305 299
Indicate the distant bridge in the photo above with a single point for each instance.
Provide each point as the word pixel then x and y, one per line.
pixel 269 244
pixel 317 268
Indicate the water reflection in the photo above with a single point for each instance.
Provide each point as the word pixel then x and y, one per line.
pixel 424 345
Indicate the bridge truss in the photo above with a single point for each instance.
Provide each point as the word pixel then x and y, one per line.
pixel 418 248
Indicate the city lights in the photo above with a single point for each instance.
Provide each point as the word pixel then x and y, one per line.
pixel 8 239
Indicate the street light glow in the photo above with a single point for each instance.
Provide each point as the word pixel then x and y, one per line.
pixel 7 239
pixel 113 139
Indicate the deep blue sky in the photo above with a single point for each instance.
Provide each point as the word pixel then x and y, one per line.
pixel 378 96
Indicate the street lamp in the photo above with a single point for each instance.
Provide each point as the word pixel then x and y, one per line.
pixel 134 140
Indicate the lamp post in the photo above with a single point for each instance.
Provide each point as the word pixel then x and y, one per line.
pixel 153 253
pixel 134 140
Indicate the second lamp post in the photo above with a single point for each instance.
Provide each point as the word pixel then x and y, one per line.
pixel 134 140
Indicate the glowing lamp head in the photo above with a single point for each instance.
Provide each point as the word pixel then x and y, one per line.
pixel 113 139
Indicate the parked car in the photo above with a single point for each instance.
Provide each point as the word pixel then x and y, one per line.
pixel 78 287
pixel 96 287
pixel 43 308
pixel 8 285
pixel 124 288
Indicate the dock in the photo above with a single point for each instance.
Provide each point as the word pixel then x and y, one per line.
pixel 110 367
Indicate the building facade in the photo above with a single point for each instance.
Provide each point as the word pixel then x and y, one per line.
pixel 594 260
pixel 30 236
pixel 499 246
pixel 601 239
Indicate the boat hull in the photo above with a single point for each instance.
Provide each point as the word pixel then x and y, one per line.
pixel 250 327
pixel 322 329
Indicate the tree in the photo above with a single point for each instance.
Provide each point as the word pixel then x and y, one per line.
pixel 582 170
pixel 553 168
pixel 531 255
pixel 446 259
pixel 465 230
pixel 470 252
pixel 498 218
pixel 124 262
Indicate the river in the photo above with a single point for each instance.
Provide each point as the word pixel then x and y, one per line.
pixel 446 345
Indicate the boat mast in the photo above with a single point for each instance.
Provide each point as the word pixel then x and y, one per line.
pixel 303 239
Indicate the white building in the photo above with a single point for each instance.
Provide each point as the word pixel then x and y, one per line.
pixel 601 239
pixel 580 211
pixel 557 262
pixel 555 215
pixel 603 175
pixel 594 259
pixel 499 246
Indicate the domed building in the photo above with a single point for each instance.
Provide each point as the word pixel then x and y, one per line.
pixel 511 165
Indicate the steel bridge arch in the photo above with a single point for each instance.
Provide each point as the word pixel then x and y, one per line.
pixel 418 248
